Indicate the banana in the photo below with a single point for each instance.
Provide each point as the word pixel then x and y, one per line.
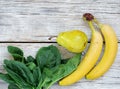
pixel 111 47
pixel 89 59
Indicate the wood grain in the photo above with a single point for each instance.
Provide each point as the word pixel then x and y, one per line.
pixel 37 20
pixel 28 24
pixel 110 79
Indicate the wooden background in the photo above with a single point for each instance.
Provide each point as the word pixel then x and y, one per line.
pixel 29 23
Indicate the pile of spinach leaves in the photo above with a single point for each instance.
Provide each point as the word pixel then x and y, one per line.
pixel 40 72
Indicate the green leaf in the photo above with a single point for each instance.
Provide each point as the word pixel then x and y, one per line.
pixel 6 78
pixel 39 85
pixel 39 72
pixel 15 50
pixel 61 71
pixel 19 81
pixel 15 76
pixel 37 75
pixel 30 59
pixel 13 86
pixel 18 57
pixel 19 69
pixel 64 61
pixel 30 62
pixel 48 57
pixel 31 65
pixel 17 53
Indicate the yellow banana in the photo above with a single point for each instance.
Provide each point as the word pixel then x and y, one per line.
pixel 88 61
pixel 111 47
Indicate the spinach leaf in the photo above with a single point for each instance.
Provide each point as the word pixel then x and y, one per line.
pixel 16 52
pixel 6 78
pixel 19 69
pixel 13 86
pixel 64 61
pixel 31 65
pixel 60 71
pixel 18 57
pixel 48 57
pixel 37 75
pixel 30 59
pixel 18 80
pixel 30 62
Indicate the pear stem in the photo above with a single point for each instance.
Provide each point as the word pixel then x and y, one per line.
pixel 50 38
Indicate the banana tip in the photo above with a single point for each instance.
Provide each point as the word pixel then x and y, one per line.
pixel 60 83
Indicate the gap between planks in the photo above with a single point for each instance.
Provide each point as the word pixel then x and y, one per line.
pixel 35 42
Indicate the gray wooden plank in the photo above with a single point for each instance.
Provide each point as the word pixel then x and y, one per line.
pixel 37 20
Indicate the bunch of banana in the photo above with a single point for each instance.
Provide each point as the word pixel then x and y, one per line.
pixel 111 48
pixel 86 67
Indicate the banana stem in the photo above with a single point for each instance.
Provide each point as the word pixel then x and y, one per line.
pixel 91 26
pixel 88 17
pixel 97 22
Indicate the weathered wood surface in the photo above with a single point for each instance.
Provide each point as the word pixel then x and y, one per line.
pixel 35 21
